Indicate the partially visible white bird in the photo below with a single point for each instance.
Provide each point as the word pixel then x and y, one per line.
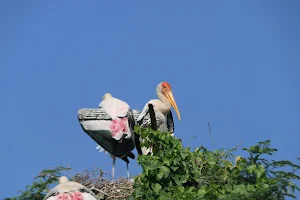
pixel 162 108
pixel 70 190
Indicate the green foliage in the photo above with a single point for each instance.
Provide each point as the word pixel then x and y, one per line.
pixel 175 172
pixel 42 184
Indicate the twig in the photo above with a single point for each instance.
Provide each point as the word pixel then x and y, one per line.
pixel 93 188
pixel 212 139
pixel 234 148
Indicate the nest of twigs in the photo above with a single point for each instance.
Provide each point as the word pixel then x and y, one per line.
pixel 104 187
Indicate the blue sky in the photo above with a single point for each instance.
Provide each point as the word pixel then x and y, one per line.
pixel 234 64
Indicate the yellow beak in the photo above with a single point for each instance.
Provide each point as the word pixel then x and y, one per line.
pixel 172 101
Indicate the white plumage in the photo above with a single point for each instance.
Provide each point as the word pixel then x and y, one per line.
pixel 161 120
pixel 116 109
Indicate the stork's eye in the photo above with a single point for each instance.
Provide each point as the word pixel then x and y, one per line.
pixel 165 86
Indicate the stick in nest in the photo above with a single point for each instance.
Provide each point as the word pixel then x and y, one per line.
pixel 103 187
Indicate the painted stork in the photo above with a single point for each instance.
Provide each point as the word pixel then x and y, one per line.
pixel 70 190
pixel 162 109
pixel 114 135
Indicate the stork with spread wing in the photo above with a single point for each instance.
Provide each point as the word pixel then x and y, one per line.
pixel 114 134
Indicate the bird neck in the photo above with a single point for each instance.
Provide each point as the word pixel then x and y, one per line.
pixel 166 106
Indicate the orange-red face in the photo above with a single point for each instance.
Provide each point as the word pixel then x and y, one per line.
pixel 165 87
pixel 166 90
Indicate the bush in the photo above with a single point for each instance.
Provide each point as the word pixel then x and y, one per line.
pixel 175 172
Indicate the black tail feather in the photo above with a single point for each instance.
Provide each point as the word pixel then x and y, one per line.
pixel 131 155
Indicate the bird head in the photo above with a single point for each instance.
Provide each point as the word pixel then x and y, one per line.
pixel 63 179
pixel 166 89
pixel 107 96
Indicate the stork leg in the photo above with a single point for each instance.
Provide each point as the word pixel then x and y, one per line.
pixel 127 167
pixel 113 168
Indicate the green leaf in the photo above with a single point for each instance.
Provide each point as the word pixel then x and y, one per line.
pixel 184 178
pixel 250 188
pixel 239 189
pixel 201 193
pixel 176 161
pixel 180 188
pixel 265 186
pixel 156 187
pixel 174 168
pixel 159 175
pixel 166 161
pixel 228 187
pixel 251 168
pixel 183 156
pixel 165 170
pixel 260 170
pixel 212 162
pixel 177 179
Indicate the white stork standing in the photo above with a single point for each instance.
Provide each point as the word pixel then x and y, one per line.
pixel 67 190
pixel 162 109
